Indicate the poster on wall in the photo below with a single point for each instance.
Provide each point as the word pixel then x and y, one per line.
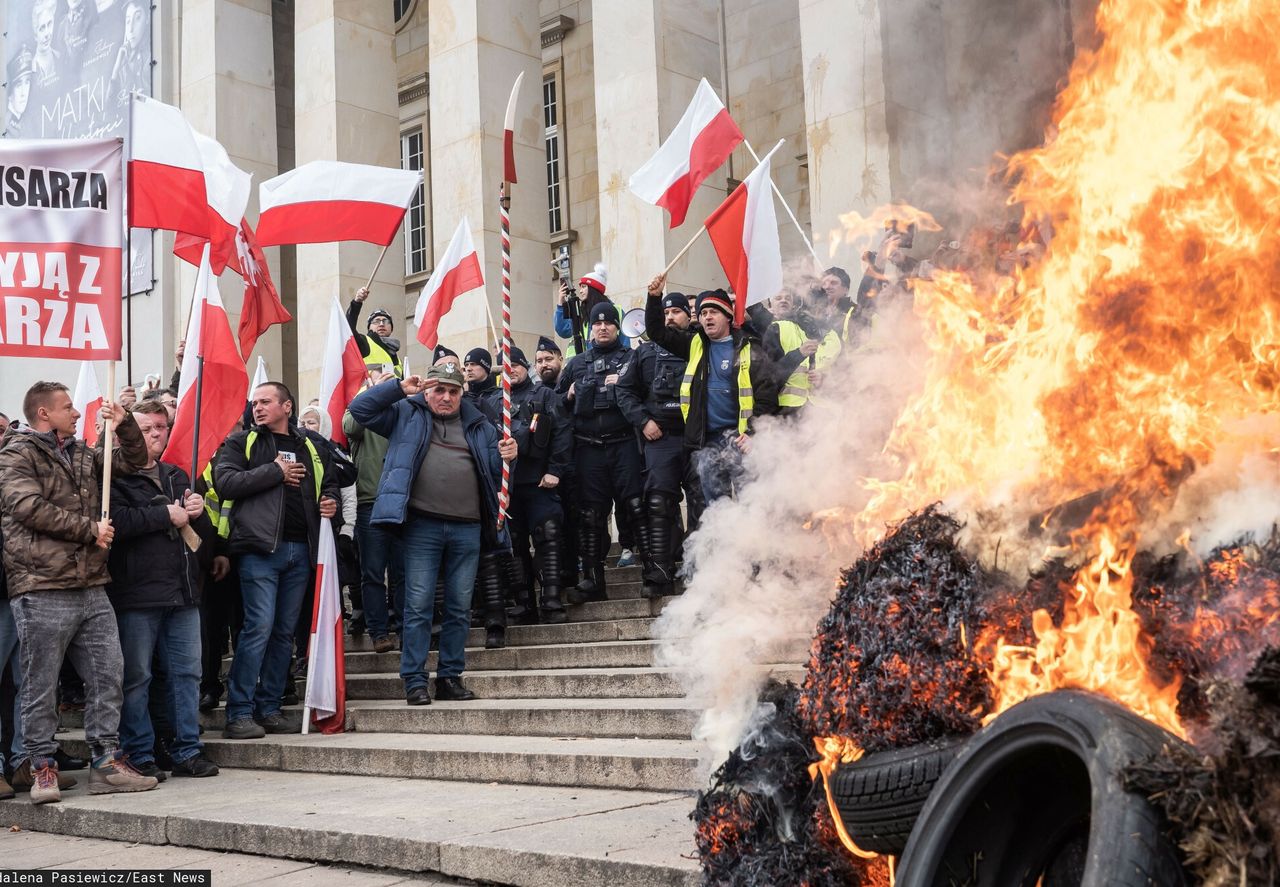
pixel 71 66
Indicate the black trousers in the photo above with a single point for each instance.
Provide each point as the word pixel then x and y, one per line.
pixel 607 473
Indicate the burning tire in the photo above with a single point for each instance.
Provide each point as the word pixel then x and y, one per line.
pixel 879 797
pixel 1035 799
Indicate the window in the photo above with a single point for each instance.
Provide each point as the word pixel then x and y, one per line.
pixel 415 230
pixel 401 8
pixel 551 141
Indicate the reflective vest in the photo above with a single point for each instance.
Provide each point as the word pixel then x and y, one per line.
pixel 317 473
pixel 380 356
pixel 795 393
pixel 219 512
pixel 746 397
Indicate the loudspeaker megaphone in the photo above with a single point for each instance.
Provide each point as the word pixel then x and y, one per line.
pixel 633 323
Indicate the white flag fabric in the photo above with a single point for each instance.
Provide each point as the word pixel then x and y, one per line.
pixel 88 400
pixel 326 696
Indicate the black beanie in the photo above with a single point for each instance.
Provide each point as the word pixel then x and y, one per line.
pixel 606 311
pixel 545 344
pixel 381 313
pixel 517 356
pixel 676 300
pixel 479 356
pixel 442 351
pixel 716 299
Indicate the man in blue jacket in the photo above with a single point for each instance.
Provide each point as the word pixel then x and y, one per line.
pixel 440 485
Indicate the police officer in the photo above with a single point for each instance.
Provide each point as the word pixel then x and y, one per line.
pixel 379 350
pixel 545 441
pixel 549 364
pixel 605 448
pixel 477 369
pixel 653 386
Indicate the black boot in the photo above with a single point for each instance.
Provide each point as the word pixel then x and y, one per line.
pixel 591 535
pixel 659 570
pixel 523 609
pixel 547 544
pixel 637 519
pixel 489 583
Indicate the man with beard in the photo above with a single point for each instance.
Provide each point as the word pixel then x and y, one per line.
pixel 606 453
pixel 549 363
pixel 381 353
pixel 653 387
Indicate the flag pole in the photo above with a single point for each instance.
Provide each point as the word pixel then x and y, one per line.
pixel 504 205
pixel 377 265
pixel 128 240
pixel 107 446
pixel 680 255
pixel 816 261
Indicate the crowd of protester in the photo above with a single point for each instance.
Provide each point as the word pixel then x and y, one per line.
pixel 130 618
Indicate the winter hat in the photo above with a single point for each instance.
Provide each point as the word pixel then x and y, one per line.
pixel 443 351
pixel 446 374
pixel 597 279
pixel 545 344
pixel 606 311
pixel 381 313
pixel 326 424
pixel 517 356
pixel 479 356
pixel 676 300
pixel 716 299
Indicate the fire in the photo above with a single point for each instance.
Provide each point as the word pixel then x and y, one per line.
pixel 1129 348
pixel 835 750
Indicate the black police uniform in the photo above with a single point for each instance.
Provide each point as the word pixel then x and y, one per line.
pixel 606 455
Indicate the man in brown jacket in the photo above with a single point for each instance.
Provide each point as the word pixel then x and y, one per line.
pixel 55 555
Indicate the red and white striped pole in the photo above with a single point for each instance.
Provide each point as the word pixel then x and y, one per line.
pixel 504 492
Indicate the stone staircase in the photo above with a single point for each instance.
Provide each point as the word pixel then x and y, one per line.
pixel 574 766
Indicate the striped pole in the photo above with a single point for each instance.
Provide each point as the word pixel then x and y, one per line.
pixel 504 493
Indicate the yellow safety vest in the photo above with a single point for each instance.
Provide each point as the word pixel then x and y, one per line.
pixel 219 512
pixel 746 397
pixel 379 356
pixel 795 393
pixel 317 472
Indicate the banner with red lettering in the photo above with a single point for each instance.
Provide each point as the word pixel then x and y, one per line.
pixel 61 238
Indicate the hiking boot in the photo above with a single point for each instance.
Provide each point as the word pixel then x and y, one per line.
pixel 152 769
pixel 44 789
pixel 451 690
pixel 113 773
pixel 276 723
pixel 197 766
pixel 384 644
pixel 23 780
pixel 243 728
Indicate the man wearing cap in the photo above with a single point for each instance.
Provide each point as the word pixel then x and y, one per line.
pixel 380 351
pixel 19 93
pixel 545 441
pixel 726 383
pixel 439 486
pixel 605 448
pixel 653 387
pixel 477 369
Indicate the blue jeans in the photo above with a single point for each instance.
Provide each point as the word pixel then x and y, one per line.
pixel 431 547
pixel 171 635
pixel 272 587
pixel 9 655
pixel 381 564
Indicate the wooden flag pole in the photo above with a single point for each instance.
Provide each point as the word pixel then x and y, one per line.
pixel 376 266
pixel 108 444
pixel 680 255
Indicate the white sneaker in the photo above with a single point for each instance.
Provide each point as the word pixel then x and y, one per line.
pixel 627 558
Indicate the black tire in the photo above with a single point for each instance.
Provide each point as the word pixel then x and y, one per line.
pixel 1035 798
pixel 879 797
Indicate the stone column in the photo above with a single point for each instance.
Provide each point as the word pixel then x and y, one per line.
pixel 849 156
pixel 650 54
pixel 227 92
pixel 475 56
pixel 345 109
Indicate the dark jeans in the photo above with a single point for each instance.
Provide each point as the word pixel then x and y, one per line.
pixel 9 656
pixel 221 616
pixel 272 586
pixel 435 548
pixel 381 565
pixel 172 636
pixel 82 626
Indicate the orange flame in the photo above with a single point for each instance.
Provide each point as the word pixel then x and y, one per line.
pixel 836 750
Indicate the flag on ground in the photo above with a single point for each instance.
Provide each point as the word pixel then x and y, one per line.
pixel 88 400
pixel 328 200
pixel 457 272
pixel 343 372
pixel 744 232
pixel 326 697
pixel 703 139
pixel 210 352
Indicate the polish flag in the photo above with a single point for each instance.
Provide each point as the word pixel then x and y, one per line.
pixel 744 232
pixel 325 704
pixel 221 393
pixel 457 272
pixel 328 200
pixel 227 191
pixel 166 171
pixel 703 139
pixel 262 306
pixel 88 400
pixel 343 372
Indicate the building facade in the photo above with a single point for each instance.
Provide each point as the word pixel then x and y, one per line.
pixel 876 102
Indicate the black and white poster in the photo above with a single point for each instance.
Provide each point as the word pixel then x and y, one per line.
pixel 71 66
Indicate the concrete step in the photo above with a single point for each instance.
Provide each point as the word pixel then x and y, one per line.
pixel 642 764
pixel 568 683
pixel 571 633
pixel 604 654
pixel 529 836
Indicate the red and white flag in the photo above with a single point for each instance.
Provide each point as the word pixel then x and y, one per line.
pixel 88 400
pixel 211 353
pixel 262 306
pixel 325 704
pixel 457 272
pixel 227 190
pixel 509 134
pixel 343 372
pixel 703 139
pixel 744 232
pixel 166 170
pixel 328 200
